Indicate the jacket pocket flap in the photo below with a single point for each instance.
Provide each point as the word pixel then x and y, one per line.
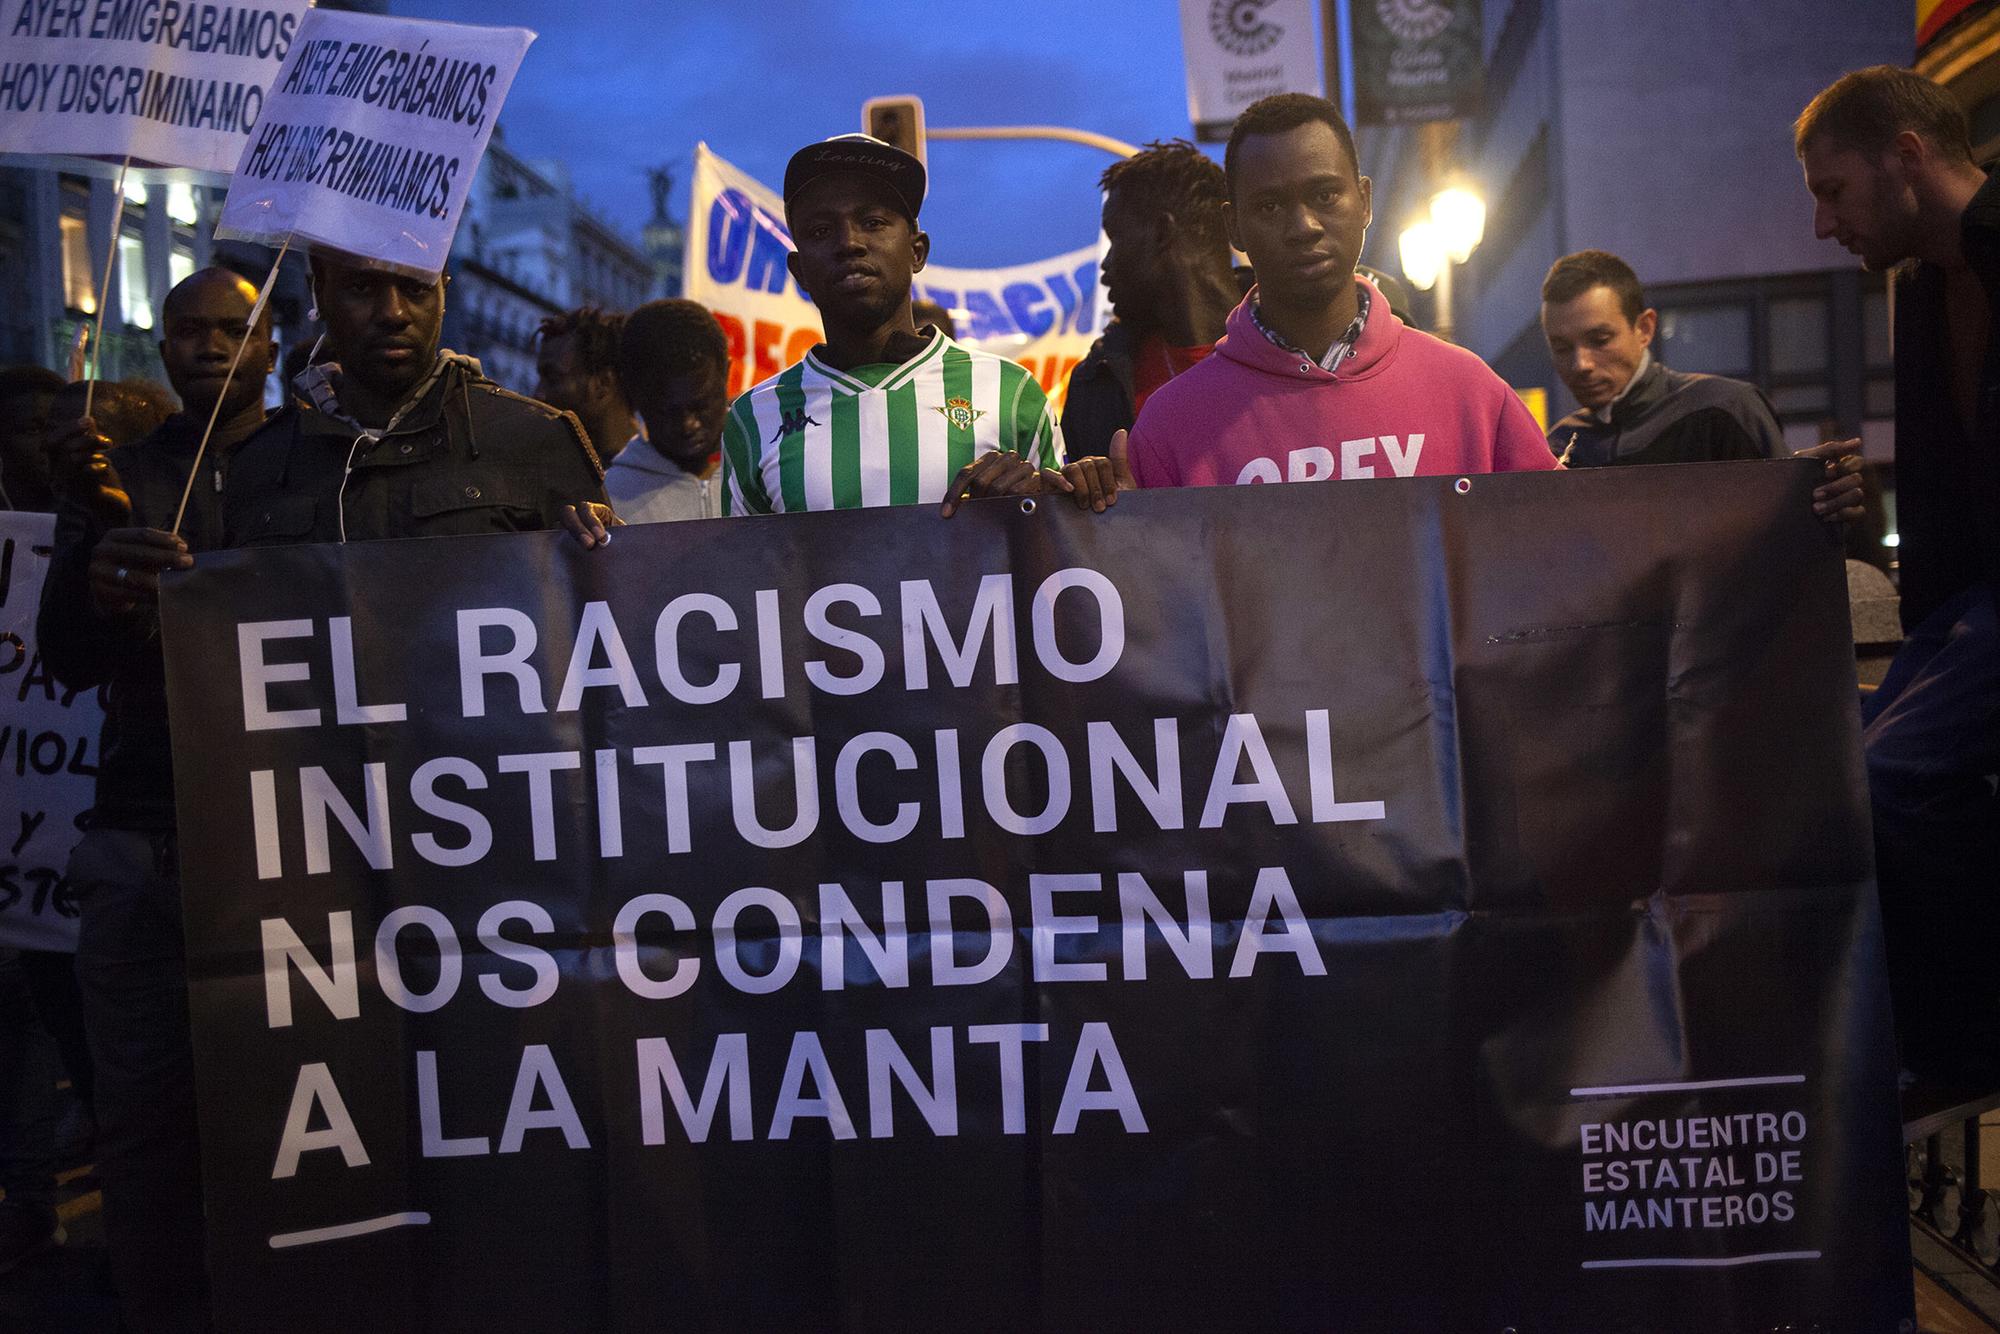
pixel 282 517
pixel 432 496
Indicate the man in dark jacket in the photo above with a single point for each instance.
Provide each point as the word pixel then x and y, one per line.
pixel 392 437
pixel 1888 158
pixel 432 448
pixel 26 394
pixel 1635 410
pixel 99 626
pixel 1168 274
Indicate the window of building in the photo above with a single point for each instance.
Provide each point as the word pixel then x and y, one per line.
pixel 181 206
pixel 1711 339
pixel 1881 399
pixel 1879 354
pixel 180 265
pixel 1875 330
pixel 1800 400
pixel 79 286
pixel 1800 338
pixel 135 297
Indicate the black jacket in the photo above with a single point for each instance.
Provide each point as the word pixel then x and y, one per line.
pixel 1947 483
pixel 85 648
pixel 1098 402
pixel 1673 417
pixel 470 457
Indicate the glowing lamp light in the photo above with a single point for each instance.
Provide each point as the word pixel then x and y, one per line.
pixel 181 206
pixel 1460 218
pixel 1423 254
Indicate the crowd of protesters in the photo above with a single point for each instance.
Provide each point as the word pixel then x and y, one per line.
pixel 1296 369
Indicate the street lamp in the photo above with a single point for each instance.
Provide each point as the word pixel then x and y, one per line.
pixel 1429 247
pixel 1423 255
pixel 1460 217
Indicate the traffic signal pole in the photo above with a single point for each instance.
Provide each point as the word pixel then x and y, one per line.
pixel 1060 133
pixel 899 119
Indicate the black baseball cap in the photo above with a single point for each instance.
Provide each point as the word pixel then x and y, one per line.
pixel 863 154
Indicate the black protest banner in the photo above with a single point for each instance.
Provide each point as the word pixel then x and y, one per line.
pixel 1417 60
pixel 1396 905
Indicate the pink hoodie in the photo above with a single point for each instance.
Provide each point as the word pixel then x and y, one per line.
pixel 1404 404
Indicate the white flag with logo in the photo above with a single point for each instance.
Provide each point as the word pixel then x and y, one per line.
pixel 1241 50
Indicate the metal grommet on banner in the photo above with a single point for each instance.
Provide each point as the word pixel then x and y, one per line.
pixel 1463 485
pixel 1027 504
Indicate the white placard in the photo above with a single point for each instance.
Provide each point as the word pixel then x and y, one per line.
pixel 48 753
pixel 1240 50
pixel 370 136
pixel 170 85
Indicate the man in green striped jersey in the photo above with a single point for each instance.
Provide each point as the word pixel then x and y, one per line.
pixel 881 413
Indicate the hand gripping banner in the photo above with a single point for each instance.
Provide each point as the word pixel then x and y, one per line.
pixel 1401 905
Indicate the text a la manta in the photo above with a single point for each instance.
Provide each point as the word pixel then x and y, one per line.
pixel 318 1118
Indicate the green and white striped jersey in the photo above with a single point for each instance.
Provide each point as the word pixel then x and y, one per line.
pixel 814 438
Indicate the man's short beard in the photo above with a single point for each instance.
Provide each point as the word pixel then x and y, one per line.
pixel 391 390
pixel 1136 315
pixel 1324 292
pixel 688 456
pixel 872 311
pixel 245 387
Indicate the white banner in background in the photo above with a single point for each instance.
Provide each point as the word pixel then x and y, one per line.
pixel 174 85
pixel 1042 315
pixel 1241 50
pixel 48 754
pixel 371 134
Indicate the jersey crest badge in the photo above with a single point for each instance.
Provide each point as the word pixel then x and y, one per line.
pixel 960 413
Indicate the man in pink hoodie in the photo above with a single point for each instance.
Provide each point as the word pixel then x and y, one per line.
pixel 1316 379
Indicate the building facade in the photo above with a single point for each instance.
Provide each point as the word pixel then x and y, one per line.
pixel 1663 134
pixel 55 237
pixel 527 249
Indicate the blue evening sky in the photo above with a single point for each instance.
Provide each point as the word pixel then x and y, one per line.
pixel 613 89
